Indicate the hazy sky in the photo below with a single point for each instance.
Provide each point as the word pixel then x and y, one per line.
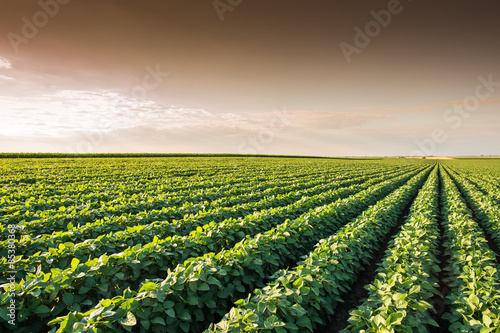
pixel 250 76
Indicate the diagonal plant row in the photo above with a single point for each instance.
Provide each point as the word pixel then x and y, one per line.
pixel 93 194
pixel 202 289
pixel 84 284
pixel 118 186
pixel 480 181
pixel 29 245
pixel 299 299
pixel 96 194
pixel 480 175
pixel 129 179
pixel 222 207
pixel 126 201
pixel 119 241
pixel 61 256
pixel 71 194
pixel 206 238
pixel 137 209
pixel 475 295
pixel 399 298
pixel 490 189
pixel 485 208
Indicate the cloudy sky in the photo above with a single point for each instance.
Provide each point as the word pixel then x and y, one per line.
pixel 250 76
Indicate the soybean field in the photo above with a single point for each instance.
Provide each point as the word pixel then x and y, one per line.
pixel 249 244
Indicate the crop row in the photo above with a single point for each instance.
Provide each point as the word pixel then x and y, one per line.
pixel 164 207
pixel 96 194
pixel 206 238
pixel 116 222
pixel 474 299
pixel 157 256
pixel 473 302
pixel 151 206
pixel 58 257
pixel 72 178
pixel 399 299
pixel 50 220
pixel 95 278
pixel 486 209
pixel 67 184
pixel 300 299
pixel 198 291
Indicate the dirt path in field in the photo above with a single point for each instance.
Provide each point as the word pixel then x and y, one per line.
pixel 437 301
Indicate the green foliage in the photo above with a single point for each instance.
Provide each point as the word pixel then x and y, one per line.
pixel 174 244
pixel 475 295
pixel 231 274
pixel 300 299
pixel 400 296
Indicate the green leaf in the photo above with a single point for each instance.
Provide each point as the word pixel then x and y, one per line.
pixel 185 327
pixel 34 293
pixel 170 312
pixel 74 263
pixel 204 287
pixel 42 309
pixel 68 299
pixel 185 315
pixel 212 280
pixel 168 304
pixel 193 286
pixel 192 300
pixel 78 328
pixel 378 320
pixel 473 301
pixel 83 290
pixel 298 283
pixel 149 286
pixel 105 303
pixel 398 296
pixel 158 320
pixel 415 289
pixel 304 322
pixel 291 326
pixel 432 322
pixel 146 324
pixel 253 317
pixel 487 320
pixel 394 319
pixel 130 320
